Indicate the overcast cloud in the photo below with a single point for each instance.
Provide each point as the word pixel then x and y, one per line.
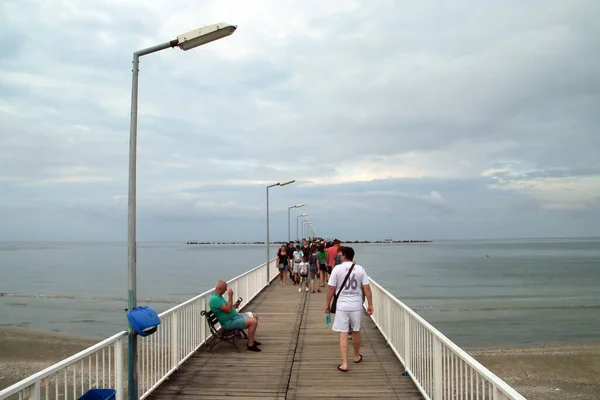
pixel 402 119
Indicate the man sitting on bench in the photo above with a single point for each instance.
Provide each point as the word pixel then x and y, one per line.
pixel 228 316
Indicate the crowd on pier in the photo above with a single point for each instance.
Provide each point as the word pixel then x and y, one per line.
pixel 308 263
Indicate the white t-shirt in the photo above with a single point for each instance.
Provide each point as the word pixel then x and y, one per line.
pixel 351 296
pixel 303 268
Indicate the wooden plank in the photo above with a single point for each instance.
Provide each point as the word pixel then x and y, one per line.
pixel 299 359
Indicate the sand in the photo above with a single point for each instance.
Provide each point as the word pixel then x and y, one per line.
pixel 24 352
pixel 549 372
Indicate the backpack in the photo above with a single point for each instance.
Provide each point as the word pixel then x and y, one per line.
pixel 303 269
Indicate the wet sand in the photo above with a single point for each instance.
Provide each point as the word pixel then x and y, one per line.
pixel 24 352
pixel 549 372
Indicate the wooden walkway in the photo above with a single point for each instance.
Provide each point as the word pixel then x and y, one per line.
pixel 299 359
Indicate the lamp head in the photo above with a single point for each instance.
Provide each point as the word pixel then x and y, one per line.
pixel 207 34
pixel 286 182
pixel 299 205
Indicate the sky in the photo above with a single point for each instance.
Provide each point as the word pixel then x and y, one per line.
pixel 397 119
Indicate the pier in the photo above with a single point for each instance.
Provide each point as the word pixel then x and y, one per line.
pixel 404 356
pixel 299 359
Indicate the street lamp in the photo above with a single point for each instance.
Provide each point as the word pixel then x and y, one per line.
pixel 268 239
pixel 304 223
pixel 185 42
pixel 289 208
pixel 299 216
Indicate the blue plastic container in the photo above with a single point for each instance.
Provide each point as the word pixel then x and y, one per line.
pixel 144 320
pixel 99 394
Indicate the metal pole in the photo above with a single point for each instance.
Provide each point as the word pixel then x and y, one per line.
pixel 132 382
pixel 268 255
pixel 289 208
pixel 131 237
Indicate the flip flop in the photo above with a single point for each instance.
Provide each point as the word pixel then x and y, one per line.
pixel 359 360
pixel 340 368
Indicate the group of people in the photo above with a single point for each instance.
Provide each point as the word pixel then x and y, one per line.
pixel 311 263
pixel 308 263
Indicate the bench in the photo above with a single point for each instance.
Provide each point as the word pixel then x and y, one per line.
pixel 221 335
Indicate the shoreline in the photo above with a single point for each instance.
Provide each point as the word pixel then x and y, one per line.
pixel 559 370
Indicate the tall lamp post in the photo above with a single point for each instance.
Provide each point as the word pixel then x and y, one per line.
pixel 187 41
pixel 304 223
pixel 297 218
pixel 268 239
pixel 289 208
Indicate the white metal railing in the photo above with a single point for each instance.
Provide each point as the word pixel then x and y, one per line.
pixel 181 332
pixel 440 369
pixel 100 365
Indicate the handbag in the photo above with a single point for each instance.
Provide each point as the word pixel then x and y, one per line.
pixel 333 306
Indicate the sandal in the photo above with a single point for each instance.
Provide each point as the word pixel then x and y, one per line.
pixel 340 368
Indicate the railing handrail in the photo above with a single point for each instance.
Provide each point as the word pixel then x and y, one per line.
pixel 17 387
pixel 178 306
pixel 503 386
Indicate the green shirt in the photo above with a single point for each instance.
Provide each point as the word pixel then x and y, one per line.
pixel 215 303
pixel 322 256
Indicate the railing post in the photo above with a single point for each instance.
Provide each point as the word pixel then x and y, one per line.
pixel 34 390
pixel 407 355
pixel 175 340
pixel 203 321
pixel 437 369
pixel 119 369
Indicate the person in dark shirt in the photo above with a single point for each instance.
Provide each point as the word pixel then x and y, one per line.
pixel 283 264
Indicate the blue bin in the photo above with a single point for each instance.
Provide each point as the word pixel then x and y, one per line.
pixel 99 394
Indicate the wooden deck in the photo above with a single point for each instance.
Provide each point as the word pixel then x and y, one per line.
pixel 299 359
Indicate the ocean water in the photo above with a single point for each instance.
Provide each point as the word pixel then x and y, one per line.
pixel 528 291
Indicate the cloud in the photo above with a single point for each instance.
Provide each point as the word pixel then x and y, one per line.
pixel 454 120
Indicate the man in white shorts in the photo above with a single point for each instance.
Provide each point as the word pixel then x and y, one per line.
pixel 349 304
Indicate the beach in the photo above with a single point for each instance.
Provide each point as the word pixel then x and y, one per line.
pixel 554 371
pixel 24 352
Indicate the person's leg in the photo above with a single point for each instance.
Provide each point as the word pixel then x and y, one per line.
pixel 251 324
pixel 356 344
pixel 344 350
pixel 355 319
pixel 340 324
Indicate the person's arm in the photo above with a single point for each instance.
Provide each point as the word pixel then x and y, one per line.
pixel 229 306
pixel 330 294
pixel 369 296
pixel 332 286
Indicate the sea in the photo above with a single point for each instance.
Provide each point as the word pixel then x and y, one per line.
pixel 479 293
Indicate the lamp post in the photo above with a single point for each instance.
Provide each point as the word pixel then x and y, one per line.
pixel 289 208
pixel 268 239
pixel 299 216
pixel 304 223
pixel 187 41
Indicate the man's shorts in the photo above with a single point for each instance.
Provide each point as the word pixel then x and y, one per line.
pixel 314 275
pixel 296 266
pixel 283 267
pixel 323 267
pixel 345 319
pixel 303 279
pixel 236 323
pixel 329 269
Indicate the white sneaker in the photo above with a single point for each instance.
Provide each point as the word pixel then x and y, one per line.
pixel 307 289
pixel 299 290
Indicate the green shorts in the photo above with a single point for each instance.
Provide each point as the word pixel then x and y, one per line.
pixel 303 279
pixel 236 323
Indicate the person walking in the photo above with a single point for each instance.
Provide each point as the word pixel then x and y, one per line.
pixel 349 307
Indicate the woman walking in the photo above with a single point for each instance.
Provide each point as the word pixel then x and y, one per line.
pixel 282 262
